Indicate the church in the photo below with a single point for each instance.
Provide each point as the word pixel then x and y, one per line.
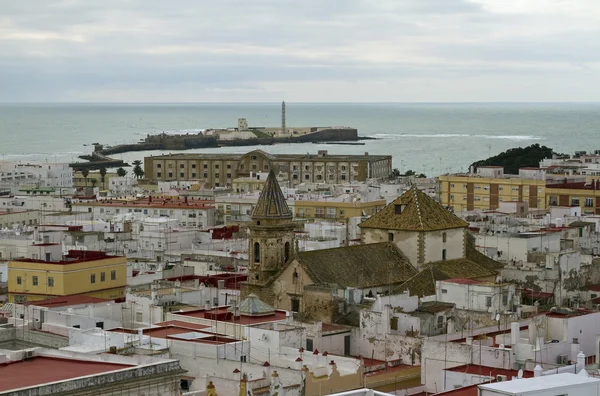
pixel 408 245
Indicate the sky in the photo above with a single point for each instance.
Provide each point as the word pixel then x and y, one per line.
pixel 299 51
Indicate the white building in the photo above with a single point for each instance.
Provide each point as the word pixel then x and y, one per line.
pixel 551 385
pixel 473 295
pixel 55 175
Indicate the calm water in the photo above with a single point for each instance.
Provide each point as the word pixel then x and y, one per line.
pixel 429 138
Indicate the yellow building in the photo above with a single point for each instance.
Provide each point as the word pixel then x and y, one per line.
pixel 335 209
pixel 89 273
pixel 575 194
pixel 490 187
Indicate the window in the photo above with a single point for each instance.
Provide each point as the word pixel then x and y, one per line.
pixel 391 236
pixel 589 202
pixel 181 166
pixel 193 174
pixel 444 291
pixel 205 175
pixel 228 166
pixel 50 281
pixel 575 201
pixel 295 277
pixel 34 280
pixel 505 299
pixel 440 322
pixel 216 166
pixel 158 174
pixel 443 254
pixel 102 276
pixel 257 252
pixel 488 301
pixel 394 323
pixel 295 305
pixel 19 280
pixel 158 166
pixel 113 275
pixel 216 175
pixel 444 237
pixel 93 278
pixel 307 177
pixel 181 174
pixel 170 174
pixel 193 166
pixel 229 175
pixel 286 254
pixel 205 166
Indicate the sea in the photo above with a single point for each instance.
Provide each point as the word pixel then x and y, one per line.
pixel 432 138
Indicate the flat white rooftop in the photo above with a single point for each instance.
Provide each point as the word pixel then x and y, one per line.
pixel 536 384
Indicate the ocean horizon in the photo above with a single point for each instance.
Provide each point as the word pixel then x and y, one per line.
pixel 430 138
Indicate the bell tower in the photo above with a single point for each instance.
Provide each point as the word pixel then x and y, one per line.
pixel 271 242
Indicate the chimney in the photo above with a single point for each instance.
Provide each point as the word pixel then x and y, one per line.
pixel 298 363
pixel 276 385
pixel 580 361
pixel 267 369
pixel 210 389
pixel 514 333
pixel 207 305
pixel 332 367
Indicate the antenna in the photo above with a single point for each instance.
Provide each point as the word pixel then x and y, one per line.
pixel 283 129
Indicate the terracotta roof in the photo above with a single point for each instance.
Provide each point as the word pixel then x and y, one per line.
pixel 475 255
pixel 66 301
pixel 434 306
pixel 423 283
pixel 271 203
pixel 358 266
pixel 414 211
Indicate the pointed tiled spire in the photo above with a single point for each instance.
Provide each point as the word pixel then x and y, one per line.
pixel 271 203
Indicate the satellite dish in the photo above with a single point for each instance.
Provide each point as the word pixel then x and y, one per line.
pixel 520 374
pixel 497 316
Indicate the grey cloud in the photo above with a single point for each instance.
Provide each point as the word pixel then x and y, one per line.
pixel 64 49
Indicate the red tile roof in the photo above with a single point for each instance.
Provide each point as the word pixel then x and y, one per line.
pixel 489 371
pixel 41 370
pixel 73 257
pixel 154 203
pixel 222 314
pixel 463 281
pixel 69 300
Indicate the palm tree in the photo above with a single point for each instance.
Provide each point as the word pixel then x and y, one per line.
pixel 137 169
pixel 121 172
pixel 102 176
pixel 94 182
pixel 85 173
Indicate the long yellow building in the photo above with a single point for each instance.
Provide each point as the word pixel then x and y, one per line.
pixel 464 192
pixel 489 187
pixel 89 273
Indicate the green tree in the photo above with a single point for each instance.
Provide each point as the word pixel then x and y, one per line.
pixel 395 173
pixel 422 176
pixel 409 172
pixel 520 157
pixel 102 175
pixel 85 173
pixel 137 169
pixel 94 182
pixel 121 172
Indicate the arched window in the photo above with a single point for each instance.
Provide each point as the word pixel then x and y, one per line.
pixel 444 237
pixel 287 252
pixel 257 252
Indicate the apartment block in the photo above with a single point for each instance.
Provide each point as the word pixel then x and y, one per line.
pixel 489 187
